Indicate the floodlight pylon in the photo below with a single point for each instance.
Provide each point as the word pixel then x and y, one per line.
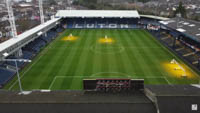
pixel 41 11
pixel 11 19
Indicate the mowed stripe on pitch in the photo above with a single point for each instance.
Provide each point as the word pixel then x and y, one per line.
pixel 151 59
pixel 65 60
pixel 73 61
pixel 70 62
pixel 34 76
pixel 84 61
pixel 58 64
pixel 51 65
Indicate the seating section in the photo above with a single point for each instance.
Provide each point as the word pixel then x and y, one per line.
pixel 27 55
pixel 8 68
pixel 187 49
pixel 5 76
pixel 49 37
pixel 102 23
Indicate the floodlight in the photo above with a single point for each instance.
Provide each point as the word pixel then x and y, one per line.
pixel 18 60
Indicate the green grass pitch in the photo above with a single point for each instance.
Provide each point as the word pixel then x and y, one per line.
pixel 64 64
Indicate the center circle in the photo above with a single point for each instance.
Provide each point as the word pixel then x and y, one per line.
pixel 107 48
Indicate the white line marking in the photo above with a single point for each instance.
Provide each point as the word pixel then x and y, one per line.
pixel 25 72
pixel 52 82
pixel 153 77
pixel 167 80
pixel 133 47
pixel 94 75
pixel 41 55
pixel 164 76
pixel 149 77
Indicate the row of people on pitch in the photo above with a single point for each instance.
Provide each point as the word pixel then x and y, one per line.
pixel 113 84
pixel 112 88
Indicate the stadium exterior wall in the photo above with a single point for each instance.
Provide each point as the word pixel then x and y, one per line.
pixel 75 108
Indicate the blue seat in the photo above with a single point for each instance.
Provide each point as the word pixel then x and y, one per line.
pixel 5 75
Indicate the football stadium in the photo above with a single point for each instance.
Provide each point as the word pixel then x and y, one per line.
pixel 95 59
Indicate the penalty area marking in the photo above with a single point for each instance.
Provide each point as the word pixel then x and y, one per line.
pixel 93 76
pixel 165 77
pixel 16 81
pixel 167 80
pixel 127 75
pixel 142 47
pixel 41 55
pixel 54 79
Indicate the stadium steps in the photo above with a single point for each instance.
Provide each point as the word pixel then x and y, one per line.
pixel 168 41
pixel 164 38
pixel 180 49
pixel 189 54
pixel 192 58
pixel 43 39
pixel 185 51
pixel 195 62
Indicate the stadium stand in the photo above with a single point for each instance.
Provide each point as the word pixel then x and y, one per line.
pixel 182 39
pixel 49 36
pixel 102 23
pixel 182 48
pixel 5 75
pixel 8 69
pixel 99 19
pixel 148 99
pixel 182 43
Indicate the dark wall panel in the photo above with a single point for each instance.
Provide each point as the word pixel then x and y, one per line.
pixel 77 108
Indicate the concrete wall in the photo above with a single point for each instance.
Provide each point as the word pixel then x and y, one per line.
pixel 77 108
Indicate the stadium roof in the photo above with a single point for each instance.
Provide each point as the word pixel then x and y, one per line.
pixel 155 17
pixel 98 13
pixel 188 27
pixel 26 34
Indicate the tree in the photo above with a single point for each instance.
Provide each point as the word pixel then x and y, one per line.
pixel 196 18
pixel 181 9
pixel 144 1
pixel 52 2
pixel 76 2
